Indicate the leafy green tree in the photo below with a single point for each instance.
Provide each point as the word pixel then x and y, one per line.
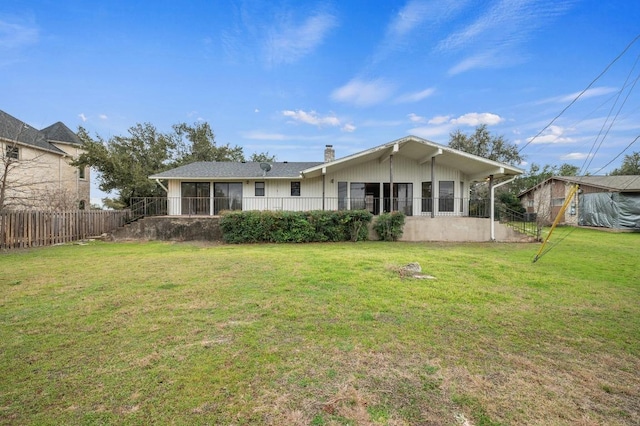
pixel 630 165
pixel 124 163
pixel 197 143
pixel 262 157
pixel 483 144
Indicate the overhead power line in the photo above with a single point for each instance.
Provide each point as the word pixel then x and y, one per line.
pixel 581 93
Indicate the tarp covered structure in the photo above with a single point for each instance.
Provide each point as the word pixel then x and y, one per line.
pixel 610 210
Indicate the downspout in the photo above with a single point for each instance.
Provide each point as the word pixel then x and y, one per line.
pixel 493 200
pixel 162 186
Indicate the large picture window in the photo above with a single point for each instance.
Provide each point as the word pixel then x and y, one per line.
pixel 227 196
pixel 427 197
pixel 445 196
pixel 342 195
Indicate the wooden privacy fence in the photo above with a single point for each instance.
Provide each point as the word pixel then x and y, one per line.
pixel 30 228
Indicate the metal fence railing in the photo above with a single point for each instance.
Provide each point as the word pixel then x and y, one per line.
pixel 208 206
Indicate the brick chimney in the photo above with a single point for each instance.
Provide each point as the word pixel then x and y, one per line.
pixel 329 154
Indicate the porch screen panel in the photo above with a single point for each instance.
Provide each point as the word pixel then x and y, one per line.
pixel 195 198
pixel 446 196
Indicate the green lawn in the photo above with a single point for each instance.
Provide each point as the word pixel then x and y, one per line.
pixel 322 334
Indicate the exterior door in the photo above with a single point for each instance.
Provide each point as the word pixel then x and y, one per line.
pixel 195 198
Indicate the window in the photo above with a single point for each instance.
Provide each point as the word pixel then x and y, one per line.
pixel 295 189
pixel 557 202
pixel 81 174
pixel 82 205
pixel 227 196
pixel 342 195
pixel 259 189
pixel 13 152
pixel 445 196
pixel 427 202
pixel 402 198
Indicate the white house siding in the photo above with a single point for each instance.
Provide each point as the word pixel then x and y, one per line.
pixel 278 191
pixel 405 170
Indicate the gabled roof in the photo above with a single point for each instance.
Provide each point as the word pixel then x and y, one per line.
pixel 235 170
pixel 15 130
pixel 625 183
pixel 422 150
pixel 58 132
pixel 476 168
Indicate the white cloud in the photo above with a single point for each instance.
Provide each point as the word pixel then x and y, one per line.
pixel 439 119
pixel 290 41
pixel 589 93
pixel 416 96
pixel 498 31
pixel 259 135
pixel 415 118
pixel 256 110
pixel 575 156
pixel 429 132
pixel 103 117
pixel 82 117
pixel 552 135
pixel 14 35
pixel 312 118
pixel 349 128
pixel 475 119
pixel 363 93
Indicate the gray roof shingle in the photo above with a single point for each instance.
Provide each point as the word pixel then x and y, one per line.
pixel 16 130
pixel 248 170
pixel 58 132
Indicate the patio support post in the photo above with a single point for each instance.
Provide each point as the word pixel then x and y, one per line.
pixel 492 189
pixel 324 178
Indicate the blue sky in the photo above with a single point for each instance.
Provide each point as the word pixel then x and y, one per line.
pixel 289 77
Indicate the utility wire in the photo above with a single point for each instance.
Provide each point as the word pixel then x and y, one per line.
pixel 581 93
pixel 589 159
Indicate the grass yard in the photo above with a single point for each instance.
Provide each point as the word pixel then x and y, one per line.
pixel 322 334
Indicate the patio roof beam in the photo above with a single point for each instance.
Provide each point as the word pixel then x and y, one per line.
pixel 430 155
pixel 387 155
pixel 485 174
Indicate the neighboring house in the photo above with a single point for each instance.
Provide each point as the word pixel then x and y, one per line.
pixel 601 201
pixel 412 175
pixel 35 169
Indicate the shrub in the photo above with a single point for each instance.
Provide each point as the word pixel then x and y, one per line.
pixel 294 227
pixel 389 226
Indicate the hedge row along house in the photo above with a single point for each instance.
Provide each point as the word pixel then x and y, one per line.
pixel 601 201
pixel 36 170
pixel 428 182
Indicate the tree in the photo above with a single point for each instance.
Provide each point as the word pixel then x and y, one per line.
pixel 197 143
pixel 630 165
pixel 262 157
pixel 536 175
pixel 483 144
pixel 124 163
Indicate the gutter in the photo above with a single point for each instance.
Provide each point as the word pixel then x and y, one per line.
pixel 493 207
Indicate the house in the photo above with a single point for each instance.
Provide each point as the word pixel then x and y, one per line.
pixel 601 201
pixel 35 167
pixel 418 177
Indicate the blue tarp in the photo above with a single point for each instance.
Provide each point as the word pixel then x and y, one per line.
pixel 610 210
